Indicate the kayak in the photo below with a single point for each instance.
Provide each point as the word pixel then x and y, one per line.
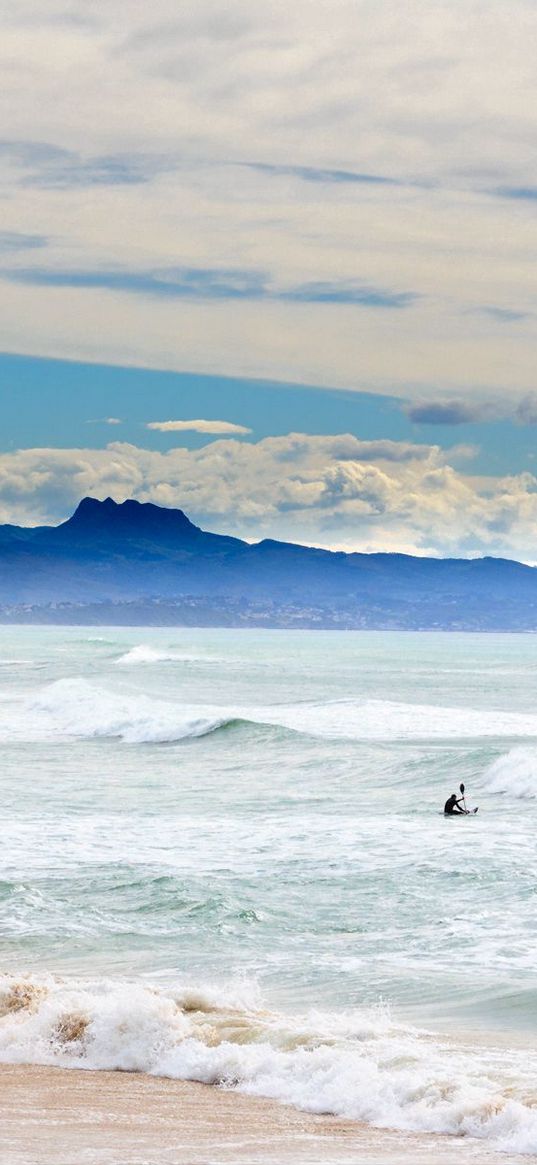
pixel 470 813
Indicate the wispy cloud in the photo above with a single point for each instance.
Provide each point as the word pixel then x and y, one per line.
pixel 199 426
pixel 105 421
pixel 207 283
pixel 172 283
pixel 504 315
pixel 107 170
pixel 49 166
pixel 321 174
pixel 12 241
pixel 520 193
pixel 345 292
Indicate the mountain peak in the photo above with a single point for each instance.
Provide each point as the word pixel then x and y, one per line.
pixel 93 516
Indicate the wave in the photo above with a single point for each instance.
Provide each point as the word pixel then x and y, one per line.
pixel 515 773
pixel 359 1065
pixel 77 707
pixel 392 720
pixel 144 654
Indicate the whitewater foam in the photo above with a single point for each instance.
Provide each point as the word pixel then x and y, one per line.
pixel 78 708
pixel 515 773
pixel 391 720
pixel 361 1065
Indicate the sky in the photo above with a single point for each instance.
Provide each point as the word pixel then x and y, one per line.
pixel 273 264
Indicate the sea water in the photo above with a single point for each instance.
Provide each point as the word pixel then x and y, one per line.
pixel 224 858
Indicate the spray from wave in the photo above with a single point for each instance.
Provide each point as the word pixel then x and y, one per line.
pixel 515 773
pixel 360 1065
pixel 77 708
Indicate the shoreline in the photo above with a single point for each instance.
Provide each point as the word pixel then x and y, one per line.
pixel 58 1116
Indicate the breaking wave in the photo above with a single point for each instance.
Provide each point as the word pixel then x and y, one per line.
pixel 515 773
pixel 359 1065
pixel 144 654
pixel 79 708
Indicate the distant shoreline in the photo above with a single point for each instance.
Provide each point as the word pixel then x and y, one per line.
pixel 284 628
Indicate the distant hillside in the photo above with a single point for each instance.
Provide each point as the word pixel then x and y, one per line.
pixel 138 563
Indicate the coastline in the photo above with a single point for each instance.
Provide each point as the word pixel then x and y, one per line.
pixel 55 1116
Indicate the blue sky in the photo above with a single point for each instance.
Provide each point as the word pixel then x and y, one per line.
pixel 86 396
pixel 315 219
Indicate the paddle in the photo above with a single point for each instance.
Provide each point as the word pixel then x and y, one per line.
pixel 466 809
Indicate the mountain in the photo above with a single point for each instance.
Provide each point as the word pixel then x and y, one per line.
pixel 140 563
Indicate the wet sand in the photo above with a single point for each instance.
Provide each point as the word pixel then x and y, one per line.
pixel 50 1116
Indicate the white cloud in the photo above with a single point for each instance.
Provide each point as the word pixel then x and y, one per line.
pixel 335 491
pixel 105 421
pixel 200 426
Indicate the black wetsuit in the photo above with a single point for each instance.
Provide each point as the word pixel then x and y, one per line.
pixel 451 808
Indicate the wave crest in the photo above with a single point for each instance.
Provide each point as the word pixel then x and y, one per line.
pixel 145 654
pixel 77 708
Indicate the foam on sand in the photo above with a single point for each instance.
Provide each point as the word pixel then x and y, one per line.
pixel 360 1065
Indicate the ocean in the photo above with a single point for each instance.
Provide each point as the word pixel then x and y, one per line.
pixel 224 859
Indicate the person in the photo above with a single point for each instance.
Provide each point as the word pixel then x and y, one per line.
pixel 452 805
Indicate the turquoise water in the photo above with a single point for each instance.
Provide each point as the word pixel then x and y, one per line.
pixel 256 815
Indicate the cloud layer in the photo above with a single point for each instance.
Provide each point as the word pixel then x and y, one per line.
pixel 256 190
pixel 332 491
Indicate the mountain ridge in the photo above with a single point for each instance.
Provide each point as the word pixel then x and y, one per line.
pixel 109 555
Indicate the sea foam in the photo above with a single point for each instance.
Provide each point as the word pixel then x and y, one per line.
pixel 393 720
pixel 359 1065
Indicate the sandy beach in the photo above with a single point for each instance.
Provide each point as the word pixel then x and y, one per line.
pixel 50 1116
